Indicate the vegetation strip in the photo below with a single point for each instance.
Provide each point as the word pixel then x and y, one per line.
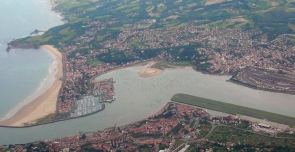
pixel 232 109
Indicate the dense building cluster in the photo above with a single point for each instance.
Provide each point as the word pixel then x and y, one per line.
pixel 165 131
pixel 105 90
pixel 215 50
pixel 226 50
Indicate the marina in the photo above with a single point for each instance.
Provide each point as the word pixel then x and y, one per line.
pixel 86 106
pixel 102 91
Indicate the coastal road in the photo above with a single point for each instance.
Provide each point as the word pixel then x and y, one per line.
pixel 236 110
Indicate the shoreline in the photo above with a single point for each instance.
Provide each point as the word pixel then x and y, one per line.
pixel 43 101
pixel 53 5
pixel 92 79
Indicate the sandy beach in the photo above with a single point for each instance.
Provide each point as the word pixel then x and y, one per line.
pixel 149 72
pixel 44 100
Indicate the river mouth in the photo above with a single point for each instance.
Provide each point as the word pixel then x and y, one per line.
pixel 139 98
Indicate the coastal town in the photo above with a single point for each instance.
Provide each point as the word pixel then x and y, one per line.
pixel 236 50
pixel 101 43
pixel 225 50
pixel 254 41
pixel 105 90
pixel 220 50
pixel 177 127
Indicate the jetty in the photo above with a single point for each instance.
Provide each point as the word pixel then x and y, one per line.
pixel 37 32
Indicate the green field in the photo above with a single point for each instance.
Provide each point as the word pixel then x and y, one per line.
pixel 161 65
pixel 205 128
pixel 287 135
pixel 179 142
pixel 192 123
pixel 228 134
pixel 273 18
pixel 137 43
pixel 46 119
pixel 146 150
pixel 232 109
pixel 182 63
pixel 94 63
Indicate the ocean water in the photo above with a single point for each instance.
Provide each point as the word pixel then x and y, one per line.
pixel 22 71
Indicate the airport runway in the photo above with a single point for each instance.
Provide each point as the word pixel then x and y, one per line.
pixel 235 109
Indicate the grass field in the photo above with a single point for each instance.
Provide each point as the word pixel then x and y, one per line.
pixel 179 142
pixel 233 109
pixel 46 119
pixel 161 65
pixel 146 150
pixel 137 43
pixel 205 128
pixel 285 135
pixel 192 123
pixel 228 134
pixel 100 38
pixel 94 63
pixel 182 63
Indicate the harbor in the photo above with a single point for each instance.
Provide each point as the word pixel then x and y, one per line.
pixel 87 105
pixel 102 91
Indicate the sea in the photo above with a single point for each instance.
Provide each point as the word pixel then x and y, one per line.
pixel 137 98
pixel 22 71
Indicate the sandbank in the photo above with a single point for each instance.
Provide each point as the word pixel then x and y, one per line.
pixel 149 72
pixel 46 97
